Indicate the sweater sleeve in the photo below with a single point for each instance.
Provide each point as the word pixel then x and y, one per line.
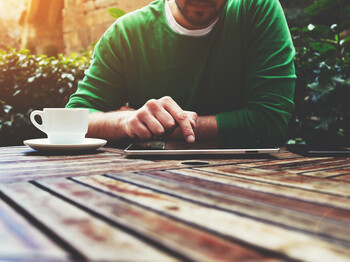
pixel 269 77
pixel 103 87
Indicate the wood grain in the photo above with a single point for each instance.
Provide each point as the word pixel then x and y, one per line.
pixel 187 241
pixel 18 239
pixel 285 178
pixel 95 239
pixel 104 206
pixel 263 208
pixel 267 187
pixel 280 240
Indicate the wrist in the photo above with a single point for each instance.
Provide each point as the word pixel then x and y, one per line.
pixel 122 125
pixel 207 128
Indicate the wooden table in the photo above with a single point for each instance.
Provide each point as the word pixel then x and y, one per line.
pixel 102 206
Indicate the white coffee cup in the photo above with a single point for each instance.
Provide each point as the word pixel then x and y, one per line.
pixel 62 125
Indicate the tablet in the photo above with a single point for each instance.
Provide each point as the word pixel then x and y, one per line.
pixel 198 148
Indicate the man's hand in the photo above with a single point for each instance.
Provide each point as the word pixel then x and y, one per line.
pixel 159 117
pixel 162 117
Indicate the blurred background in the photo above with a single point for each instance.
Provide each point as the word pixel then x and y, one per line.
pixel 45 46
pixel 57 26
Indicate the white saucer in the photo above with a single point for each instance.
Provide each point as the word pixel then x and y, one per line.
pixel 43 144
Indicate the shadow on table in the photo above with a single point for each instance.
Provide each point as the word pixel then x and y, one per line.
pixel 319 151
pixel 64 153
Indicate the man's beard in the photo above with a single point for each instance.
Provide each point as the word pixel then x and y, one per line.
pixel 199 19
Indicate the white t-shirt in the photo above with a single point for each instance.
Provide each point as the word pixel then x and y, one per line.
pixel 180 29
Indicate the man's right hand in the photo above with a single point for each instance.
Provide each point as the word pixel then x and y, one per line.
pixel 158 117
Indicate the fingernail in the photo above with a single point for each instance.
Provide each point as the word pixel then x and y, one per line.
pixel 190 139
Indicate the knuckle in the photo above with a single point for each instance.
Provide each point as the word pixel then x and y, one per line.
pixel 195 115
pixel 133 122
pixel 170 124
pixel 166 99
pixel 152 104
pixel 142 114
pixel 151 101
pixel 181 116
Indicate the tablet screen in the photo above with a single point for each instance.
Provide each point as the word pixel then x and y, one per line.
pixel 202 147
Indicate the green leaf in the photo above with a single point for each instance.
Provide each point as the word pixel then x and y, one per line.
pixel 321 30
pixel 319 6
pixel 347 39
pixel 340 81
pixel 322 47
pixel 321 87
pixel 294 29
pixel 116 12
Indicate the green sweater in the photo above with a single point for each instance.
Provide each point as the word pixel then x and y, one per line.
pixel 242 71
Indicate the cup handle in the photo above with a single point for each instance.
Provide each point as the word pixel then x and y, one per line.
pixel 36 124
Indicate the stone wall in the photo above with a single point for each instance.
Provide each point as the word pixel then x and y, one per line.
pixel 42 26
pixel 66 26
pixel 84 21
pixel 10 30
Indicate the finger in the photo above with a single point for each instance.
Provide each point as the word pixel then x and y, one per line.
pixel 142 132
pixel 137 129
pixel 156 109
pixel 165 119
pixel 193 117
pixel 180 117
pixel 151 122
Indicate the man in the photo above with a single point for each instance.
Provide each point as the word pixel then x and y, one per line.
pixel 192 69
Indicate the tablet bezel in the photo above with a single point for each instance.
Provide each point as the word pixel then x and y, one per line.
pixel 130 151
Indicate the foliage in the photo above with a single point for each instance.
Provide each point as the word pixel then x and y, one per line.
pixel 29 82
pixel 322 62
pixel 116 12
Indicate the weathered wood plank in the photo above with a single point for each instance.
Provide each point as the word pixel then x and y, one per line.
pixel 63 164
pixel 320 167
pixel 329 173
pixel 96 239
pixel 20 240
pixel 302 166
pixel 266 198
pixel 291 244
pixel 60 169
pixel 229 198
pixel 27 154
pixel 290 163
pixel 22 157
pixel 345 177
pixel 211 160
pixel 284 154
pixel 26 149
pixel 284 178
pixel 191 243
pixel 260 186
pixel 37 167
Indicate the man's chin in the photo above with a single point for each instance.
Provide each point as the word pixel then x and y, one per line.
pixel 200 21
